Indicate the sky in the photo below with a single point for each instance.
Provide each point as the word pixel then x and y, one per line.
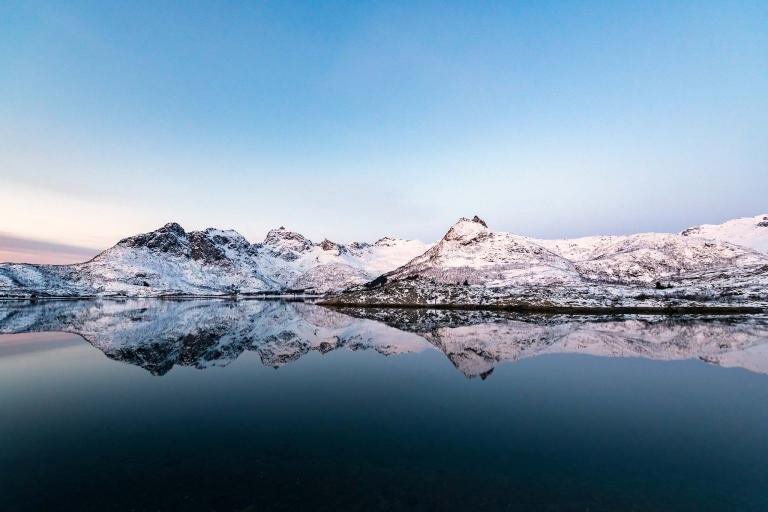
pixel 355 120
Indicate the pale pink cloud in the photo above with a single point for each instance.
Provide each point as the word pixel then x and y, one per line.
pixel 28 250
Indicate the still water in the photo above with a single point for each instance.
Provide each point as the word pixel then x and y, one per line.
pixel 262 405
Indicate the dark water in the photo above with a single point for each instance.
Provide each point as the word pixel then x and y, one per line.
pixel 151 405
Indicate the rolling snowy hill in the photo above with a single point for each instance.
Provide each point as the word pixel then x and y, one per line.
pixel 749 232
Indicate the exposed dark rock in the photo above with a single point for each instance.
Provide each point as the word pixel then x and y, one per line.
pixel 357 246
pixel 170 238
pixel 479 221
pixel 203 248
pixel 379 281
pixel 327 245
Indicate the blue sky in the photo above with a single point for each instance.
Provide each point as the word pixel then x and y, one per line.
pixel 355 120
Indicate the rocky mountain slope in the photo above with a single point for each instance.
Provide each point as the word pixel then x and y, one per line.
pixel 172 261
pixel 473 265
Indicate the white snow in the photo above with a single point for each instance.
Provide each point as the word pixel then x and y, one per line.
pixel 749 232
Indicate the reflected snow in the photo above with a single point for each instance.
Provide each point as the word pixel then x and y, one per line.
pixel 160 334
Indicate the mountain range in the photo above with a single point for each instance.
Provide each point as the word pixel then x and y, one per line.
pixel 173 262
pixel 470 264
pixel 474 265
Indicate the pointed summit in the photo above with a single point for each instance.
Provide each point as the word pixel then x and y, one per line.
pixel 327 245
pixel 466 229
pixel 174 227
pixel 479 220
pixel 170 238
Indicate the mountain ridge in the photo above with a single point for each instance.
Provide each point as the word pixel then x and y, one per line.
pixel 474 266
pixel 172 261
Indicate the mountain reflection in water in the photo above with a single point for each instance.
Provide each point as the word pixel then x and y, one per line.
pixel 160 334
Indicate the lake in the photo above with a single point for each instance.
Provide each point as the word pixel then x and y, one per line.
pixel 217 405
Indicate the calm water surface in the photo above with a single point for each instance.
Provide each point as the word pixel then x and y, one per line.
pixel 245 406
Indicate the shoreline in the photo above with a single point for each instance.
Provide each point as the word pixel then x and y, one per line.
pixel 288 297
pixel 518 308
pixel 577 310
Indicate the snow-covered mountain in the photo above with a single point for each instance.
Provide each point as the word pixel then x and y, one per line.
pixel 472 264
pixel 647 257
pixel 290 258
pixel 749 232
pixel 172 261
pixel 471 252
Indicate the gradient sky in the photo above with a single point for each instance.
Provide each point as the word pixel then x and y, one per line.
pixel 355 120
